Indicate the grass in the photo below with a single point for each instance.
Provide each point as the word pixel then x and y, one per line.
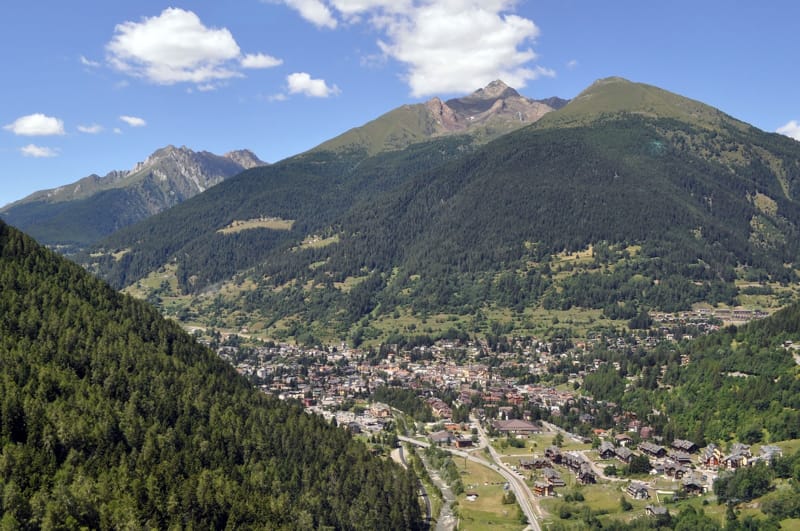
pixel 257 223
pixel 317 242
pixel 487 512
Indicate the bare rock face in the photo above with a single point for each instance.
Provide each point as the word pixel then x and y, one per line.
pixel 496 104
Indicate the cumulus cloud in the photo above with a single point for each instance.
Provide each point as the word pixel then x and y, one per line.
pixel 791 129
pixel 39 152
pixel 176 47
pixel 315 11
pixel 452 45
pixel 302 83
pixel 90 129
pixel 133 121
pixel 259 60
pixel 36 125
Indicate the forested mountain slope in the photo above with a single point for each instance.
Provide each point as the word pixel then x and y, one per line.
pixel 112 417
pixel 83 212
pixel 674 201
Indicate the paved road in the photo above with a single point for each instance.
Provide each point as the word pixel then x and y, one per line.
pixel 525 497
pixel 517 484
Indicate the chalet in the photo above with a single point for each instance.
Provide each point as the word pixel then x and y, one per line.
pixel 711 456
pixel 638 490
pixel 652 449
pixel 606 450
pixel 573 461
pixel 553 453
pixel 623 454
pixel 552 477
pixel 740 456
pixel 675 470
pixel 770 452
pixel 623 439
pixel 538 463
pixel 441 438
pixel 680 457
pixel 516 427
pixel 683 445
pixel 540 488
pixel 693 485
pixel 586 475
pixel 655 510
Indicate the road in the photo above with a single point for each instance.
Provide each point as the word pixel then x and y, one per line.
pixel 517 484
pixel 401 458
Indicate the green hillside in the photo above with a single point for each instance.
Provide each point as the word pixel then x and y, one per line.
pixel 672 203
pixel 112 417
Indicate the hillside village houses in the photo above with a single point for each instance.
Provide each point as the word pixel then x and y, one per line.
pixel 327 379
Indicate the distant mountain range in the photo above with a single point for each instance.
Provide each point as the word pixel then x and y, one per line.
pixel 81 213
pixel 628 198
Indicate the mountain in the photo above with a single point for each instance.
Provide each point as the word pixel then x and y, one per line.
pixel 93 207
pixel 112 417
pixel 628 198
pixel 486 114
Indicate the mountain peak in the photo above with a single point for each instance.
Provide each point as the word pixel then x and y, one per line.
pixel 495 89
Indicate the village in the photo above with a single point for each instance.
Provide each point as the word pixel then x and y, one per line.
pixel 521 393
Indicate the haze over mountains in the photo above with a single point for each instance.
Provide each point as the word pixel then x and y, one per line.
pixel 93 207
pixel 674 200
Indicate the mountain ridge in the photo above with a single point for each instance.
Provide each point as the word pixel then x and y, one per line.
pixel 679 207
pixel 487 113
pixel 93 207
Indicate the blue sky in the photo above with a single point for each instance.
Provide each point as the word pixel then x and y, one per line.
pixel 95 85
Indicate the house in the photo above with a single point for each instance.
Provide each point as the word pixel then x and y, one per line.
pixel 586 475
pixel 693 485
pixel 683 445
pixel 740 456
pixel 652 449
pixel 463 442
pixel 540 488
pixel 638 490
pixel 681 457
pixel 675 469
pixel 516 427
pixel 441 438
pixel 623 439
pixel 552 477
pixel 711 456
pixel 770 452
pixel 606 450
pixel 537 463
pixel 655 510
pixel 623 454
pixel 553 453
pixel 380 410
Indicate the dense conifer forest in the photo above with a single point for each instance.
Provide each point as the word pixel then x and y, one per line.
pixel 112 417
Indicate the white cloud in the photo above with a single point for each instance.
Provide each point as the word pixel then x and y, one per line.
pixel 89 62
pixel 90 129
pixel 117 131
pixel 277 97
pixel 302 83
pixel 133 121
pixel 176 47
pixel 39 152
pixel 572 64
pixel 448 45
pixel 791 129
pixel 259 60
pixel 315 11
pixel 36 125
